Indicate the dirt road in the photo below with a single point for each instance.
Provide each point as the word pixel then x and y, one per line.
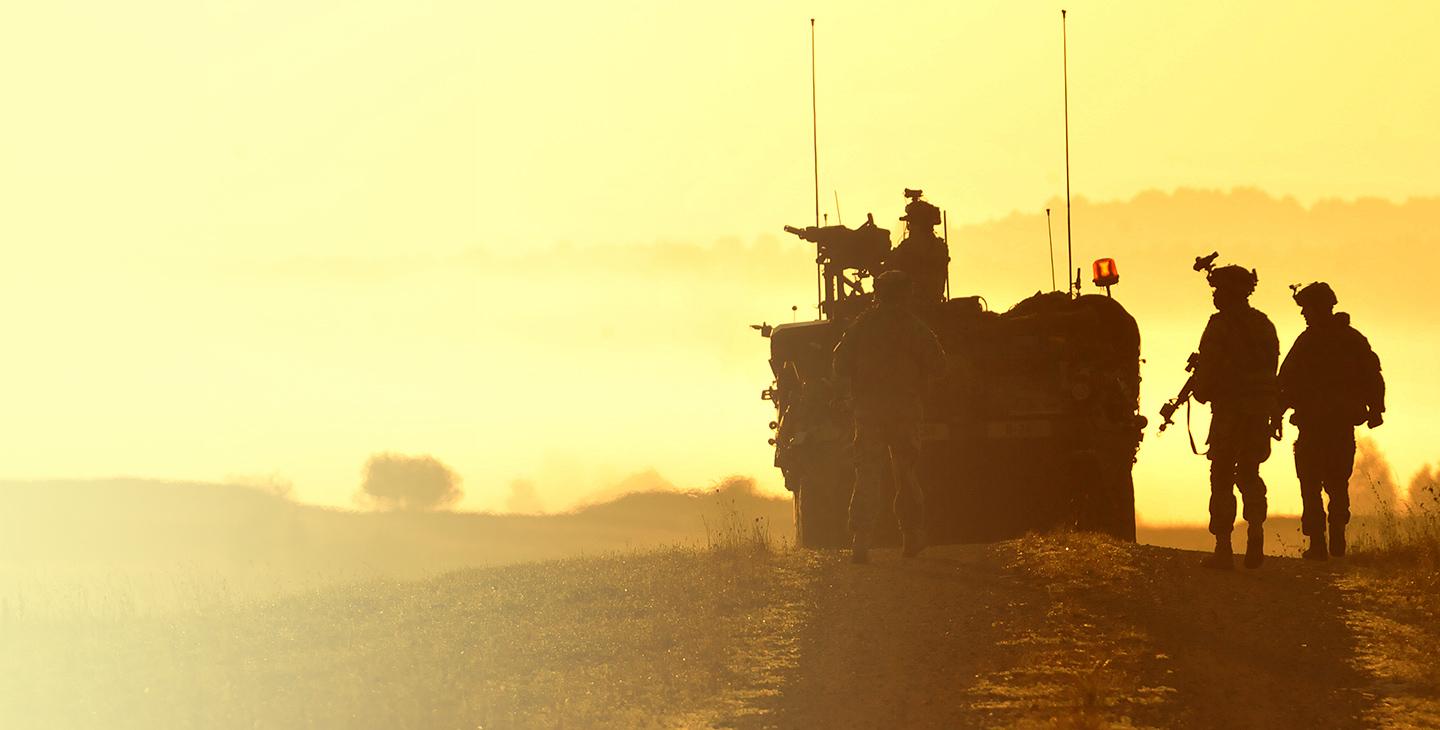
pixel 1079 632
pixel 1063 631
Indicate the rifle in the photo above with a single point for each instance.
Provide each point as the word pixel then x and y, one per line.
pixel 1187 391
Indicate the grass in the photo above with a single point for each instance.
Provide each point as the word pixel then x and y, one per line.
pixel 1091 672
pixel 1395 607
pixel 598 642
pixel 731 532
pixel 1405 539
pixel 162 607
pixel 1093 693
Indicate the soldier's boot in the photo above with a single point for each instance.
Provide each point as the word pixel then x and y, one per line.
pixel 1316 551
pixel 1337 541
pixel 860 550
pixel 1254 546
pixel 913 542
pixel 1223 558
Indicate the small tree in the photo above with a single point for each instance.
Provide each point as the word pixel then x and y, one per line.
pixel 408 483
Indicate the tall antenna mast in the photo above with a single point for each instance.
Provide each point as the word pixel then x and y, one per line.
pixel 815 148
pixel 1069 244
pixel 814 123
pixel 1051 234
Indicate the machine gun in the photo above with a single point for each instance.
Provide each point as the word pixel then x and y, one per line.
pixel 840 250
pixel 862 248
pixel 1187 391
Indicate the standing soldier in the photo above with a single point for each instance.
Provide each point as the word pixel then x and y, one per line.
pixel 889 357
pixel 1235 373
pixel 1332 379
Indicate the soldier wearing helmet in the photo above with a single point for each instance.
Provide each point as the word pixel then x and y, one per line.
pixel 1235 374
pixel 888 356
pixel 923 255
pixel 1331 378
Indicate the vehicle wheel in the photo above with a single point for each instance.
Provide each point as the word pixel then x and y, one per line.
pixel 821 512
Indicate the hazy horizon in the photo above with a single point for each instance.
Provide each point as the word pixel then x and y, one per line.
pixel 270 242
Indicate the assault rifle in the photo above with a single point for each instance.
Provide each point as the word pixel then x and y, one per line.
pixel 1187 391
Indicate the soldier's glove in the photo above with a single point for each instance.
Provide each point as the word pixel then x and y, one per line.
pixel 1376 419
pixel 1277 426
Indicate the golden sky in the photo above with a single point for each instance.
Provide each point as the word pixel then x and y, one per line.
pixel 274 238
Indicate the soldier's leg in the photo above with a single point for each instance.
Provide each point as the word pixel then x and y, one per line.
pixel 1222 493
pixel 905 455
pixel 871 460
pixel 1310 460
pixel 1222 509
pixel 1252 491
pixel 1337 486
pixel 1337 481
pixel 1254 450
pixel 909 497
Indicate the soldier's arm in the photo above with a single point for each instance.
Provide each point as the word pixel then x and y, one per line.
pixel 842 361
pixel 929 352
pixel 1373 381
pixel 1286 379
pixel 1207 361
pixel 1271 344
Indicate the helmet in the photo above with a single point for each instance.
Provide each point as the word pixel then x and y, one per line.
pixel 1318 294
pixel 892 286
pixel 1234 277
pixel 921 213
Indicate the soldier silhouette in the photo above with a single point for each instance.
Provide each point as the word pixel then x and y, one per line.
pixel 923 255
pixel 1331 378
pixel 1235 373
pixel 889 357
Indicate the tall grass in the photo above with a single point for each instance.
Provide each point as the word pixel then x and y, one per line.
pixel 1405 536
pixel 731 532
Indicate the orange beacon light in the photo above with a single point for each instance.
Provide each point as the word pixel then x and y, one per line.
pixel 1106 273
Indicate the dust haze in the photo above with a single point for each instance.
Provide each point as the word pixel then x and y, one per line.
pixel 665 594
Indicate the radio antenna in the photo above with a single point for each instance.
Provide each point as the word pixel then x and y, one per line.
pixel 838 219
pixel 945 236
pixel 815 148
pixel 1065 66
pixel 1051 234
pixel 814 123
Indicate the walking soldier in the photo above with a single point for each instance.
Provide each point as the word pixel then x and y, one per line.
pixel 1331 378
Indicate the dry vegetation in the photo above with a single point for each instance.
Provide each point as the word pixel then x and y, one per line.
pixel 604 641
pixel 145 634
pixel 734 629
pixel 1395 605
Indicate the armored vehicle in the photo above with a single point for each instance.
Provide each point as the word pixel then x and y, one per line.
pixel 1034 426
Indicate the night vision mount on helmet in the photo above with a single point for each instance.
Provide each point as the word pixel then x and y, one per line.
pixel 1227 277
pixel 1317 294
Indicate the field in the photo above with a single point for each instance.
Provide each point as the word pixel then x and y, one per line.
pixel 734 628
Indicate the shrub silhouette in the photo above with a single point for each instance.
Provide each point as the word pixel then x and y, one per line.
pixel 408 483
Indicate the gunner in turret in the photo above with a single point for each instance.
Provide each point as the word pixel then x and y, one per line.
pixel 923 255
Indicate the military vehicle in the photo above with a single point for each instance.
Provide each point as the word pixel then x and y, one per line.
pixel 1035 425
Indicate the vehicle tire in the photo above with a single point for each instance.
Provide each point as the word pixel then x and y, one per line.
pixel 821 511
